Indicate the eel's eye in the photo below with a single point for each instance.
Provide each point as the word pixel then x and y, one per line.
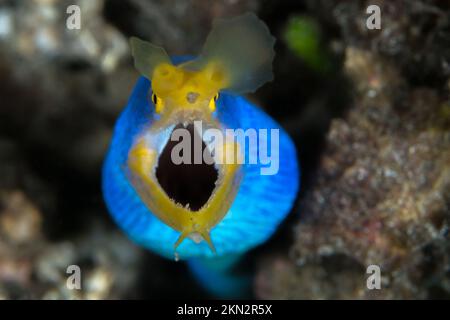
pixel 157 102
pixel 212 103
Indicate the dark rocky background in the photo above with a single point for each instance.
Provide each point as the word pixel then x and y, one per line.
pixel 368 109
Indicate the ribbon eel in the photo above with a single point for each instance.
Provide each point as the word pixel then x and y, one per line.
pixel 211 209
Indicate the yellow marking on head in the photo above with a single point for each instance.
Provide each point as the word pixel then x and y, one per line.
pixel 176 89
pixel 237 56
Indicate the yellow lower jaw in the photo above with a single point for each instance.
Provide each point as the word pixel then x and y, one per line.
pixel 142 161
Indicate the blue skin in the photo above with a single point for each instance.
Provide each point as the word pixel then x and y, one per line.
pixel 261 203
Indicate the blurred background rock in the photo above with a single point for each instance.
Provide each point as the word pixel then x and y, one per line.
pixel 368 109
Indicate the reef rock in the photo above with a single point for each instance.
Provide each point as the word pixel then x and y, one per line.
pixel 381 197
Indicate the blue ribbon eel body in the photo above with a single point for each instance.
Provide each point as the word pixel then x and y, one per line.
pixel 247 201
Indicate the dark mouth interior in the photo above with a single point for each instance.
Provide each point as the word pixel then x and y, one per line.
pixel 187 184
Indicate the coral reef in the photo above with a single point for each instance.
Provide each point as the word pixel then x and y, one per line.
pixel 31 267
pixel 368 109
pixel 381 192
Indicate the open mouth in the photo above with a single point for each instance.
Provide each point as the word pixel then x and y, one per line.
pixel 189 184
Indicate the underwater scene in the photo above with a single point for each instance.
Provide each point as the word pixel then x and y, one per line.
pixel 226 149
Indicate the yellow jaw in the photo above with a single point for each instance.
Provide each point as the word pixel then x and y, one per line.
pixel 142 161
pixel 180 96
